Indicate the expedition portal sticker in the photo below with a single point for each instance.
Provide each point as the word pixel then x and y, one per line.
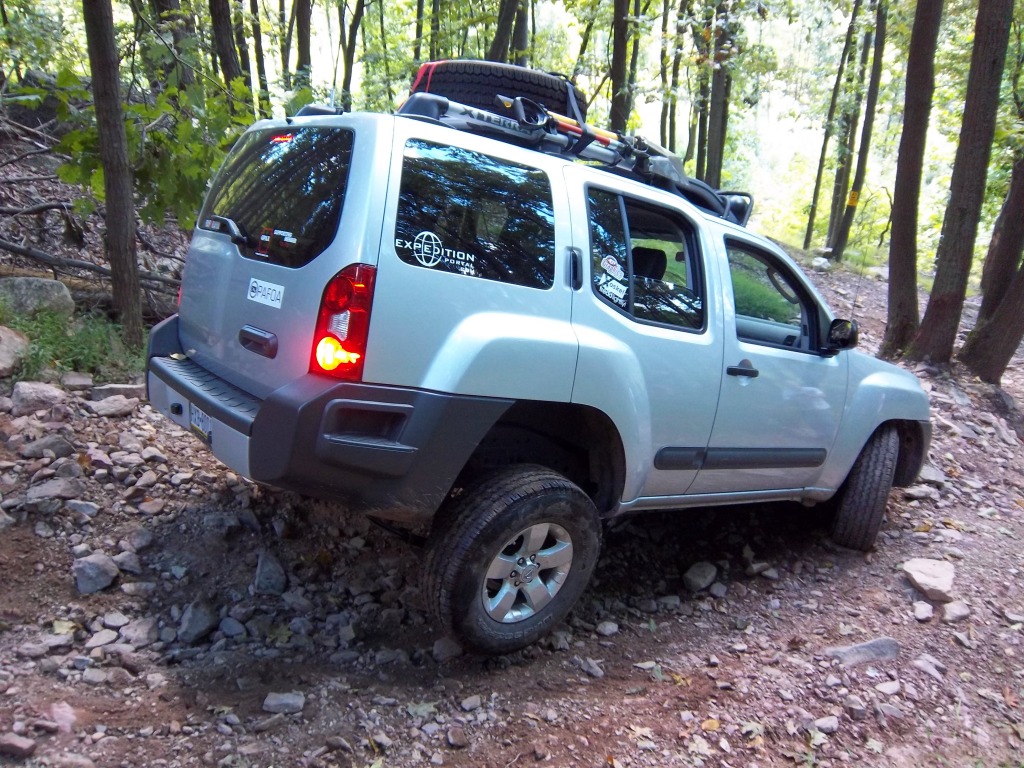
pixel 265 293
pixel 429 251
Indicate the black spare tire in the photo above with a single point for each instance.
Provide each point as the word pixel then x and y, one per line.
pixel 476 83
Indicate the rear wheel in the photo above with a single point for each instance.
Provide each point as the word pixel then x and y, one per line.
pixel 508 559
pixel 476 83
pixel 862 499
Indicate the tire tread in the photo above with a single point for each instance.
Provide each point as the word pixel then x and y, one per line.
pixel 865 493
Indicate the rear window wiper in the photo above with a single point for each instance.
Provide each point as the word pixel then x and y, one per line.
pixel 235 231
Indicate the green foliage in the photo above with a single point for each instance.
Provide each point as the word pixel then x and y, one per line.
pixel 88 343
pixel 175 140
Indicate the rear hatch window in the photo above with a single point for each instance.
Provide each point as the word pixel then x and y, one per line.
pixel 280 193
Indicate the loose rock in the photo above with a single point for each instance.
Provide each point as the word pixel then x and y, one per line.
pixel 879 649
pixel 94 573
pixel 284 703
pixel 932 577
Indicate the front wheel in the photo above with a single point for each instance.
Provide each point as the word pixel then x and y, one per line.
pixel 507 561
pixel 862 499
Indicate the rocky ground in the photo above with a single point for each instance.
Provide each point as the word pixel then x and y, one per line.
pixel 157 610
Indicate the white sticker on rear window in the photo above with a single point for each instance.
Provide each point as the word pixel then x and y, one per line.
pixel 265 293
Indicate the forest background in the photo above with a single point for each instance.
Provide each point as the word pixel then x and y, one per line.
pixel 876 132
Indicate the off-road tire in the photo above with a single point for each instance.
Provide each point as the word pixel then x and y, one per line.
pixel 476 83
pixel 862 498
pixel 478 527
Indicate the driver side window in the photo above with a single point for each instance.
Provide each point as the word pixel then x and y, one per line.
pixel 771 306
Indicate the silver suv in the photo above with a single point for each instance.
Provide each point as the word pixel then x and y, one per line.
pixel 447 321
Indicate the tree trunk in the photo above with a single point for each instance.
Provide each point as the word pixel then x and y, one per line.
pixel 718 115
pixel 119 239
pixel 1003 257
pixel 937 334
pixel 303 29
pixel 843 235
pixel 703 96
pixel 435 30
pixel 263 99
pixel 498 50
pixel 619 115
pixel 521 35
pixel 992 344
pixel 224 40
pixel 349 38
pixel 847 144
pixel 663 70
pixel 241 43
pixel 837 88
pixel 417 45
pixel 384 52
pixel 584 44
pixel 903 309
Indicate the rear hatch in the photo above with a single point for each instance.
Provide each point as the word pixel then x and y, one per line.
pixel 290 208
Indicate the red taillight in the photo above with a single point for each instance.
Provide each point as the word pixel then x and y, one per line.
pixel 343 323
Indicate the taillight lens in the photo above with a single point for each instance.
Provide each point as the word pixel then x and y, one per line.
pixel 343 323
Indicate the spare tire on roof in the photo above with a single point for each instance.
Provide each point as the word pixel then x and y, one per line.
pixel 476 83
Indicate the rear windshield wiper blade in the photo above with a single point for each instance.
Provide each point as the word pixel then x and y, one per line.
pixel 238 237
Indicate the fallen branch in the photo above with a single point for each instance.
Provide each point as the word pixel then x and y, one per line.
pixel 58 263
pixel 38 208
pixel 20 179
pixel 23 155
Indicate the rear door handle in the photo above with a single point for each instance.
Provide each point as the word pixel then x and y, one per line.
pixel 745 368
pixel 259 341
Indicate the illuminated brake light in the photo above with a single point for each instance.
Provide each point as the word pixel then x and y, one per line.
pixel 282 138
pixel 343 323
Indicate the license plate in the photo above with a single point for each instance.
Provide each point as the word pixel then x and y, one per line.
pixel 201 423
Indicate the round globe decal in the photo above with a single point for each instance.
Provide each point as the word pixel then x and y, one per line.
pixel 428 249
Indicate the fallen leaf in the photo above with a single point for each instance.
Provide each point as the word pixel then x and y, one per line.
pixel 752 729
pixel 711 724
pixel 923 527
pixel 641 732
pixel 63 627
pixel 817 738
pixel 875 746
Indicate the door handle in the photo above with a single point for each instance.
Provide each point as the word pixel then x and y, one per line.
pixel 259 341
pixel 745 368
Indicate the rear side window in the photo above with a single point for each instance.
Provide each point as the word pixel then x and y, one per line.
pixel 644 261
pixel 472 214
pixel 284 190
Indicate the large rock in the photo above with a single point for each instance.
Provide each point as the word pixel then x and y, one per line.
pixel 879 649
pixel 95 572
pixel 29 295
pixel 934 578
pixel 56 488
pixel 56 444
pixel 700 576
pixel 270 576
pixel 115 405
pixel 13 349
pixel 284 703
pixel 127 391
pixel 31 396
pixel 197 621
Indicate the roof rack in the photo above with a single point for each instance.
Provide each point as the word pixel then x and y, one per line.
pixel 526 123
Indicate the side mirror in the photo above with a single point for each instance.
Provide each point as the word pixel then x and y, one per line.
pixel 842 334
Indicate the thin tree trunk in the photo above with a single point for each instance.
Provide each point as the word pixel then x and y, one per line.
pixel 350 37
pixel 937 334
pixel 843 235
pixel 663 70
pixel 992 344
pixel 224 41
pixel 287 26
pixel 384 51
pixel 417 45
pixel 1003 258
pixel 717 116
pixel 584 43
pixel 172 18
pixel 303 48
pixel 119 239
pixel 847 145
pixel 837 88
pixel 619 115
pixel 263 99
pixel 521 34
pixel 435 30
pixel 498 50
pixel 904 315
